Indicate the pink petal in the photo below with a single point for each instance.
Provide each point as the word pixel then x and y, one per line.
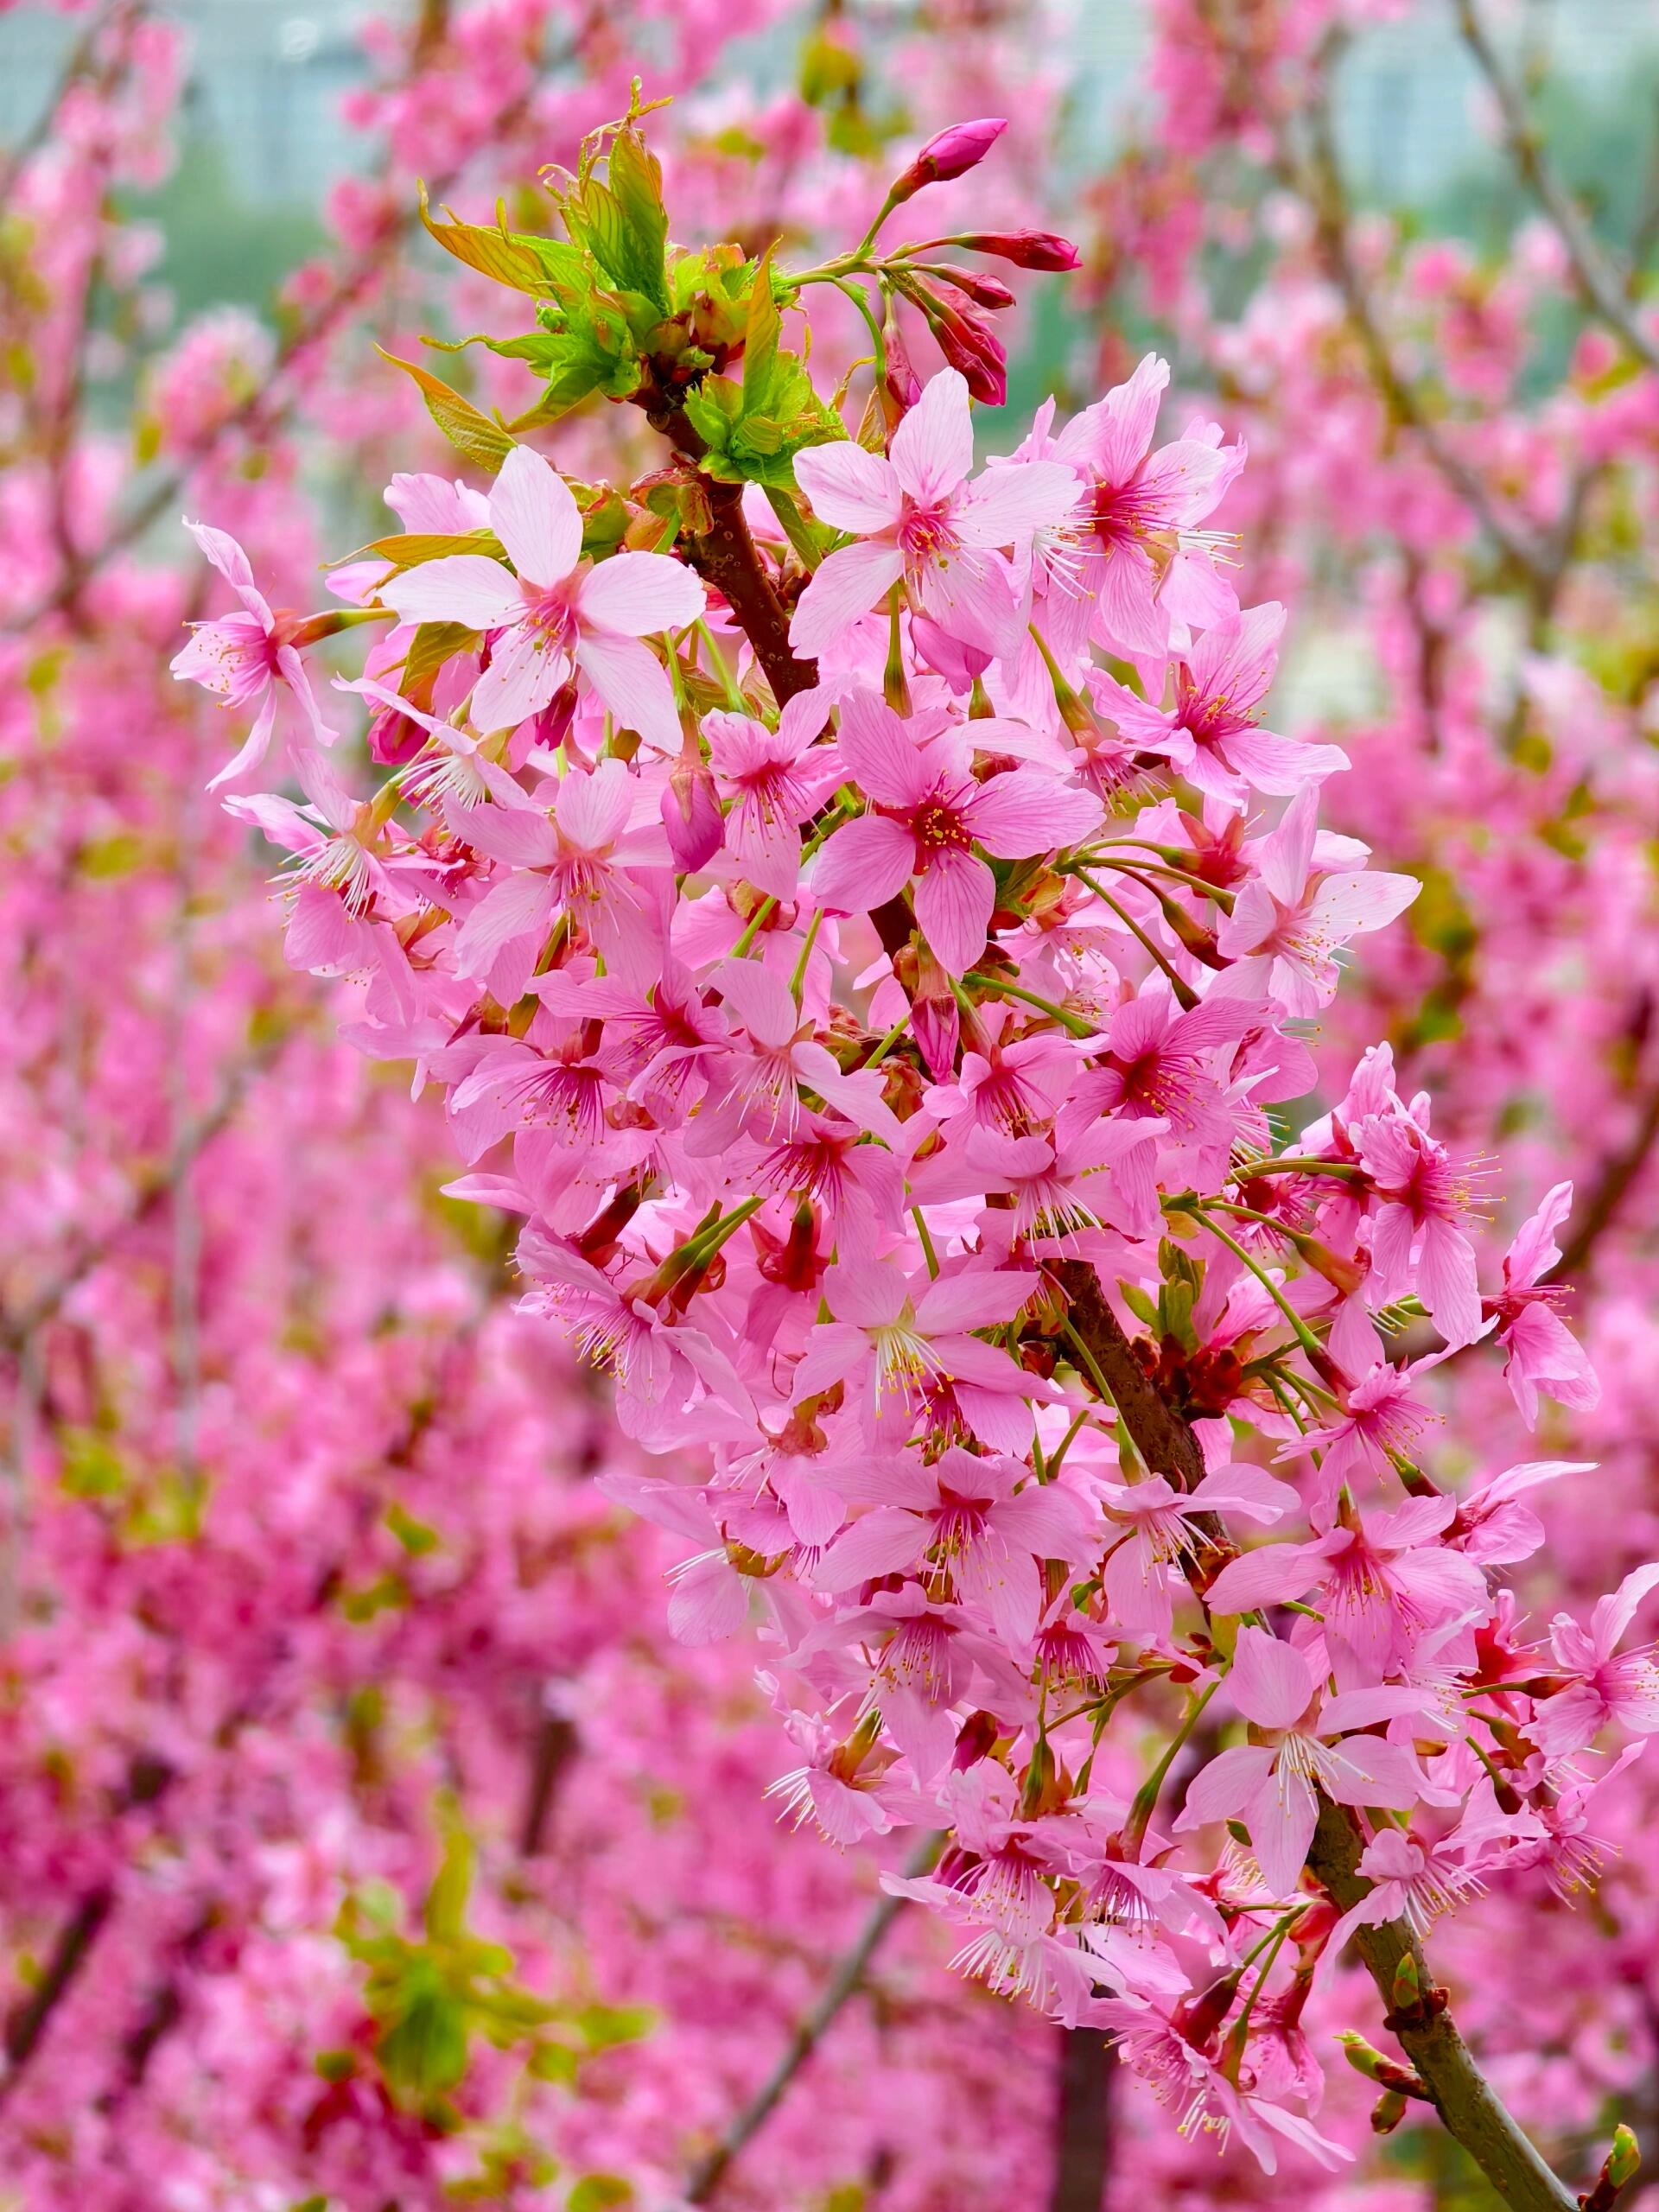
pixel 1007 505
pixel 955 901
pixel 524 673
pixel 633 685
pixel 880 753
pixel 850 487
pixel 461 587
pixel 639 593
pixel 884 1543
pixel 535 517
pixel 1270 1681
pixel 849 583
pixel 933 449
pixel 1025 812
pixel 863 864
pixel 224 553
pixel 1225 1786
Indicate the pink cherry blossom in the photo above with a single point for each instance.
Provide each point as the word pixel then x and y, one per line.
pixel 920 520
pixel 550 613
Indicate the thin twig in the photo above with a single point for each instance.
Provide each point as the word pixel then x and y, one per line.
pixel 706 2176
pixel 1599 284
pixel 146 1195
pixel 257 412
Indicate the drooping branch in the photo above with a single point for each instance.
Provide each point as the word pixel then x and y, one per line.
pixel 707 2175
pixel 1465 2099
pixel 1468 2107
pixel 145 1197
pixel 1599 284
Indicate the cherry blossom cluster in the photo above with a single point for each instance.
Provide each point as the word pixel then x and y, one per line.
pixel 861 923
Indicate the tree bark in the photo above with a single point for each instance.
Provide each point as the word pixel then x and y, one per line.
pixel 1083 2121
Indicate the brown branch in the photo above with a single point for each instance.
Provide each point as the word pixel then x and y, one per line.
pixel 555 1747
pixel 1600 286
pixel 1083 2120
pixel 1164 1440
pixel 26 2025
pixel 1320 185
pixel 706 2176
pixel 1469 2109
pixel 145 1197
pixel 1606 1196
pixel 1461 2093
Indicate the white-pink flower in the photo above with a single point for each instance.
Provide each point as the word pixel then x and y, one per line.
pixel 555 613
pixel 249 659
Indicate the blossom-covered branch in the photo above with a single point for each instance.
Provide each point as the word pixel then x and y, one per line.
pixel 888 1029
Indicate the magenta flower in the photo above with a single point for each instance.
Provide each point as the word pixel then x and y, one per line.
pixel 1605 1685
pixel 1541 1351
pixel 1145 558
pixel 1291 918
pixel 894 1333
pixel 1213 734
pixel 920 521
pixel 1155 1520
pixel 555 613
pixel 1272 1787
pixel 775 780
pixel 249 659
pixel 928 814
pixel 1382 1585
pixel 979 1527
pixel 755 1084
pixel 1410 1881
pixel 1418 1240
pixel 585 856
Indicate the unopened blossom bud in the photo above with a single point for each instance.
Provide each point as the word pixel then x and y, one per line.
pixel 1025 249
pixel 899 385
pixel 394 738
pixel 971 346
pixel 957 660
pixel 1619 2170
pixel 984 291
pixel 691 811
pixel 1388 2112
pixel 1387 2073
pixel 952 152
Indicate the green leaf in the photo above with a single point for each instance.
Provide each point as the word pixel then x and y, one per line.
pixel 636 190
pixel 425 2050
pixel 760 337
pixel 493 253
pixel 1140 1305
pixel 416 1537
pixel 598 2193
pixel 470 433
pixel 434 643
pixel 407 549
pixel 604 2026
pixel 445 1901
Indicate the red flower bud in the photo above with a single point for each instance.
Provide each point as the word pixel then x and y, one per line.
pixel 949 153
pixel 1025 249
